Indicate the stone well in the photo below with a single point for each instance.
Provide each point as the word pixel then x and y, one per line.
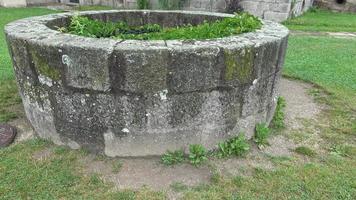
pixel 140 98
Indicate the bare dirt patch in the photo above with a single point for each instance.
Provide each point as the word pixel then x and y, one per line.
pixel 300 105
pixel 138 172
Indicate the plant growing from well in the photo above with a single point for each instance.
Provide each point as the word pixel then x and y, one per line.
pixel 197 154
pixel 261 134
pixel 278 118
pixel 240 23
pixel 237 146
pixel 173 157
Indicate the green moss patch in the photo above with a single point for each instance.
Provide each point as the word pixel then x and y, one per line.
pixel 43 68
pixel 238 65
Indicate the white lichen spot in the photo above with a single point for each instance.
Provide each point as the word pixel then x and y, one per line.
pixel 255 81
pixel 275 98
pixel 125 130
pixel 163 94
pixel 45 80
pixel 66 60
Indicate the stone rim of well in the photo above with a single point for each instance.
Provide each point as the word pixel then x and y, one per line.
pixel 37 29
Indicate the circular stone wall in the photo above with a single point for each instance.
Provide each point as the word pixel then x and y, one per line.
pixel 139 98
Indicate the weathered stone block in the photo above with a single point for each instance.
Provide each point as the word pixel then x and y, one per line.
pixel 140 70
pixel 194 69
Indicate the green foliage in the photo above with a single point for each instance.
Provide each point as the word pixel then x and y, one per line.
pixel 173 157
pixel 143 4
pixel 92 28
pixel 237 146
pixel 261 135
pixel 278 118
pixel 241 23
pixel 343 150
pixel 303 150
pixel 197 154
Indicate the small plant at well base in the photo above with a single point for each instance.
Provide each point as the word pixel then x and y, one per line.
pixel 237 146
pixel 278 118
pixel 261 134
pixel 197 154
pixel 173 157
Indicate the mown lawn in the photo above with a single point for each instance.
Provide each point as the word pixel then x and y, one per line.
pixel 328 62
pixel 325 61
pixel 7 15
pixel 8 90
pixel 323 20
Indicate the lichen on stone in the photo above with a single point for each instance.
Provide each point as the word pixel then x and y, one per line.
pixel 239 64
pixel 43 68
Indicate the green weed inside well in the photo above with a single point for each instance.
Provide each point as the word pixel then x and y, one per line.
pixel 240 23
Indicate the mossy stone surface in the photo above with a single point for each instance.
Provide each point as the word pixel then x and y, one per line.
pixel 43 68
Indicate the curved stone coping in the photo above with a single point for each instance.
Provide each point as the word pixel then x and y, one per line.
pixel 36 29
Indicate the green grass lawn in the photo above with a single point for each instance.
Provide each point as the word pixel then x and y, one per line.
pixel 323 20
pixel 8 90
pixel 327 62
pixel 7 15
